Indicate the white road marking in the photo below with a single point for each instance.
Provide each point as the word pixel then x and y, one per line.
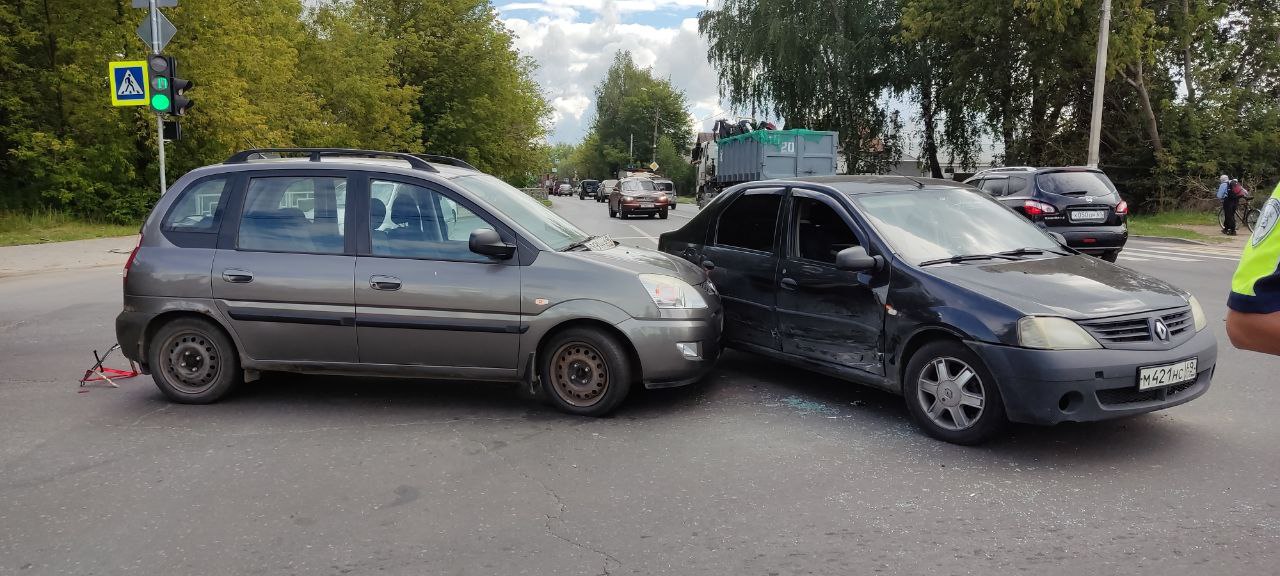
pixel 1177 255
pixel 643 233
pixel 1133 258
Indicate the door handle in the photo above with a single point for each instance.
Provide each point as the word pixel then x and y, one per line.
pixel 235 276
pixel 788 284
pixel 390 283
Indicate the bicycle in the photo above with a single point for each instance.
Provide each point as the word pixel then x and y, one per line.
pixel 1246 214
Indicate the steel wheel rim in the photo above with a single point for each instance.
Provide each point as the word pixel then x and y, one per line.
pixel 579 374
pixel 192 362
pixel 951 393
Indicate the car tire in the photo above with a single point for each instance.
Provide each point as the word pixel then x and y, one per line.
pixel 585 371
pixel 662 215
pixel 193 361
pixel 1111 256
pixel 948 413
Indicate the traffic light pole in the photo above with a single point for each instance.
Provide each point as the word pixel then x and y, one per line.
pixel 155 49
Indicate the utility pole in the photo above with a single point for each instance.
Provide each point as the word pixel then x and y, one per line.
pixel 633 148
pixel 156 45
pixel 654 159
pixel 1099 85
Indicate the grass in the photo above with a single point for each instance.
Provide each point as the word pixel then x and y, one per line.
pixel 1173 224
pixel 43 226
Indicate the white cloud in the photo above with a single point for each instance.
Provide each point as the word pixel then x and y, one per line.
pixel 574 42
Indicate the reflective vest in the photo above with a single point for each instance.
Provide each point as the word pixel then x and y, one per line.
pixel 1255 288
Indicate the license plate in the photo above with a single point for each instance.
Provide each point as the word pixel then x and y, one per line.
pixel 1087 215
pixel 1167 375
pixel 646 204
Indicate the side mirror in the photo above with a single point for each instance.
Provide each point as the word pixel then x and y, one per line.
pixel 1060 239
pixel 856 259
pixel 487 242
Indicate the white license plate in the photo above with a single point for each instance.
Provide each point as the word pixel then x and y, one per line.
pixel 1087 215
pixel 1167 375
pixel 646 204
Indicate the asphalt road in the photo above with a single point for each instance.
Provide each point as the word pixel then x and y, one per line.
pixel 761 469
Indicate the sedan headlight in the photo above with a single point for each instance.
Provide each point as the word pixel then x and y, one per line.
pixel 1053 333
pixel 628 198
pixel 1197 313
pixel 671 292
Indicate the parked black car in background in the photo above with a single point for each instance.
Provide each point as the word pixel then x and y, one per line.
pixel 588 189
pixel 935 291
pixel 1079 203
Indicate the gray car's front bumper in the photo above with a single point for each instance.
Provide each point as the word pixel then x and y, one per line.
pixel 1051 386
pixel 662 362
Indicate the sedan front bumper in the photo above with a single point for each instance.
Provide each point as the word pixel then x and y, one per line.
pixel 1052 386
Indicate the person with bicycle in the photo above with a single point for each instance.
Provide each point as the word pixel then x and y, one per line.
pixel 1229 204
pixel 1253 318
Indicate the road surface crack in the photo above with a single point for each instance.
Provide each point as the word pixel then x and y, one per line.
pixel 609 559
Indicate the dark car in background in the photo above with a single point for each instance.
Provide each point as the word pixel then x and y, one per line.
pixel 588 189
pixel 638 196
pixel 1079 203
pixel 933 290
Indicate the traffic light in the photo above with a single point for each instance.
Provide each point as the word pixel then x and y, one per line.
pixel 167 90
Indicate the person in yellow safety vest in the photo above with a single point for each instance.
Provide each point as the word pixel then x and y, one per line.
pixel 1253 321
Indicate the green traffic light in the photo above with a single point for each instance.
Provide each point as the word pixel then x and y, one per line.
pixel 160 102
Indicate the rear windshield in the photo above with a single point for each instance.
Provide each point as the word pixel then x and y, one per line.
pixel 1075 184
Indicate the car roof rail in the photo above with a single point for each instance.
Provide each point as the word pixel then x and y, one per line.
pixel 316 154
pixel 450 160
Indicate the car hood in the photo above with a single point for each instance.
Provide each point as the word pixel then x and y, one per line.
pixel 644 261
pixel 1072 286
pixel 646 194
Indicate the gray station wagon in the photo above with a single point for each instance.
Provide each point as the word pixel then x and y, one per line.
pixel 385 264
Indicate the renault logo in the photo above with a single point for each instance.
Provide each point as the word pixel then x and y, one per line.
pixel 1162 331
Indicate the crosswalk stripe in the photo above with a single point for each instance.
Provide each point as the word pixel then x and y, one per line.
pixel 1178 254
pixel 1133 259
pixel 1159 256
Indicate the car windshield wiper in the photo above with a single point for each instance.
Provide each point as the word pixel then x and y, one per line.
pixel 579 244
pixel 1030 252
pixel 967 258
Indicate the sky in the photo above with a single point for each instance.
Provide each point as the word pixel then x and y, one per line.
pixel 573 42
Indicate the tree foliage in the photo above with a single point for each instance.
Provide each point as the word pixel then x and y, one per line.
pixel 633 110
pixel 1193 86
pixel 415 75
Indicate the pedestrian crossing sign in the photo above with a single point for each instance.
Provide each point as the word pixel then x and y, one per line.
pixel 129 83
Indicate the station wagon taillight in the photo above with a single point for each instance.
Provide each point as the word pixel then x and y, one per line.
pixel 132 256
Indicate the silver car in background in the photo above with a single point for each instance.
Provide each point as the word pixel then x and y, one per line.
pixel 372 263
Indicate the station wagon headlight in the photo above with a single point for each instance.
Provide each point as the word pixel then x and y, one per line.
pixel 1197 313
pixel 671 292
pixel 1053 333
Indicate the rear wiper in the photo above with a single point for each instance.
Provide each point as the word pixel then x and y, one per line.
pixel 967 258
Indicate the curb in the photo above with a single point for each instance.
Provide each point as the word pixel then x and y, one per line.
pixel 1172 240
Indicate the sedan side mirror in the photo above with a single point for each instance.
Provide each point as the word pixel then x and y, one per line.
pixel 856 259
pixel 1062 240
pixel 487 242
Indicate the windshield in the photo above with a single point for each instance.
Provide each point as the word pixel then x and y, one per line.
pixel 922 225
pixel 529 214
pixel 1075 184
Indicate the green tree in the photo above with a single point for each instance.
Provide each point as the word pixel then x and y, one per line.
pixel 634 111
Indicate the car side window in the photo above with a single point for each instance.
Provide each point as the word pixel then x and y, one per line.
pixel 199 208
pixel 750 222
pixel 818 230
pixel 1017 185
pixel 995 186
pixel 410 221
pixel 301 214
